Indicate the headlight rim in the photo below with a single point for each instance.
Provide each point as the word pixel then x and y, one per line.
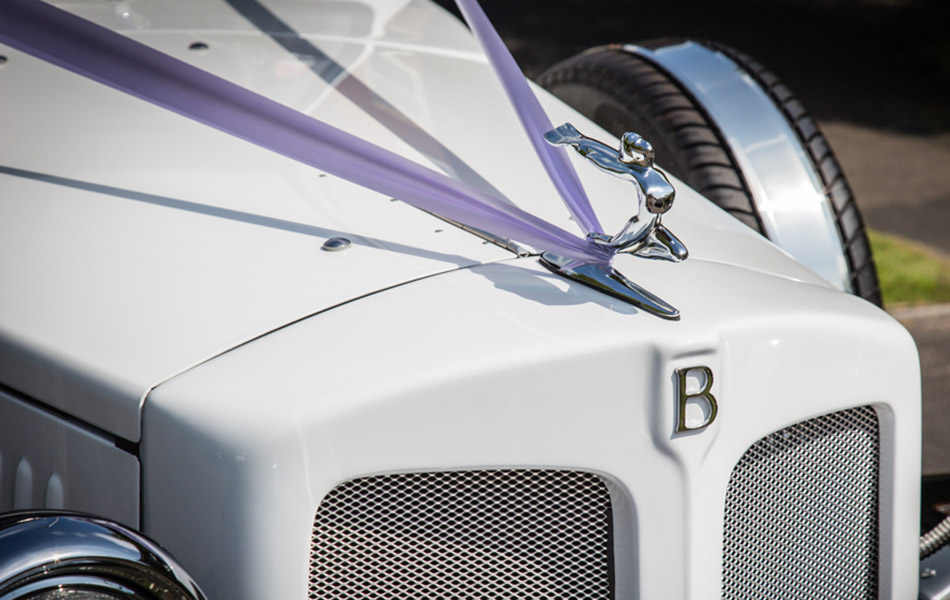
pixel 40 548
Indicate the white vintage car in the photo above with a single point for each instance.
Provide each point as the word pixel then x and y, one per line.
pixel 299 385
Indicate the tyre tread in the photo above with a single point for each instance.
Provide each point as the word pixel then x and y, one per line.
pixel 851 228
pixel 699 152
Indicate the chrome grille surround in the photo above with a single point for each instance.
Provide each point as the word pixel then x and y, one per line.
pixel 487 535
pixel 801 519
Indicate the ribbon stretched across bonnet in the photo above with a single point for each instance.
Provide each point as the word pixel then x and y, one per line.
pixel 98 53
pixel 93 51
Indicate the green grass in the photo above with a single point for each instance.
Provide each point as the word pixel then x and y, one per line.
pixel 909 273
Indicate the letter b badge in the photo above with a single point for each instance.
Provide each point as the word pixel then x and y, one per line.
pixel 695 408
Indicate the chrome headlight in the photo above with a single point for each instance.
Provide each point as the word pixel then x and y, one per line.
pixel 62 556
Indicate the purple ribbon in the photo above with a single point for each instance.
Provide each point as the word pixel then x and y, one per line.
pixel 533 118
pixel 98 53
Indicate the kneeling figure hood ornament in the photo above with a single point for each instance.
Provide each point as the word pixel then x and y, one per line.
pixel 632 161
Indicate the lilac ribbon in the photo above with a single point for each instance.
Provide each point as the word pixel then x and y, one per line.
pixel 100 54
pixel 533 118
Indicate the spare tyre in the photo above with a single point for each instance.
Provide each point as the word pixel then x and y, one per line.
pixel 730 129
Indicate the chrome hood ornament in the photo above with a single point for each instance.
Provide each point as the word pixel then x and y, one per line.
pixel 632 161
pixel 644 237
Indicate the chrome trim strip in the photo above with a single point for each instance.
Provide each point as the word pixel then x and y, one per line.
pixel 517 249
pixel 787 193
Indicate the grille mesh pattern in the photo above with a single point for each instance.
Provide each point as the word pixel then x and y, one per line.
pixel 802 512
pixel 485 535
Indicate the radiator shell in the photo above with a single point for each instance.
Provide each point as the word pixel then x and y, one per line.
pixel 239 452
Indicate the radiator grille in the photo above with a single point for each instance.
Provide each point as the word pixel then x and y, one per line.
pixel 801 516
pixel 473 535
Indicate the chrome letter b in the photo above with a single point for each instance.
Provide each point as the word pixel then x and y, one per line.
pixel 685 399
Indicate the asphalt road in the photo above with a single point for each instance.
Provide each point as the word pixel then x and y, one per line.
pixel 876 75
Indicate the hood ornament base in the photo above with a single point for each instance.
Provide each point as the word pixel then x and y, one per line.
pixel 633 162
pixel 661 244
pixel 604 278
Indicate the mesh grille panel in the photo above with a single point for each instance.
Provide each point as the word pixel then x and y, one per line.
pixel 485 535
pixel 801 512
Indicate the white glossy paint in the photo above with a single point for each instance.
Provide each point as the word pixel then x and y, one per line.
pixel 47 462
pixel 396 23
pixel 507 365
pixel 145 251
pixel 136 244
